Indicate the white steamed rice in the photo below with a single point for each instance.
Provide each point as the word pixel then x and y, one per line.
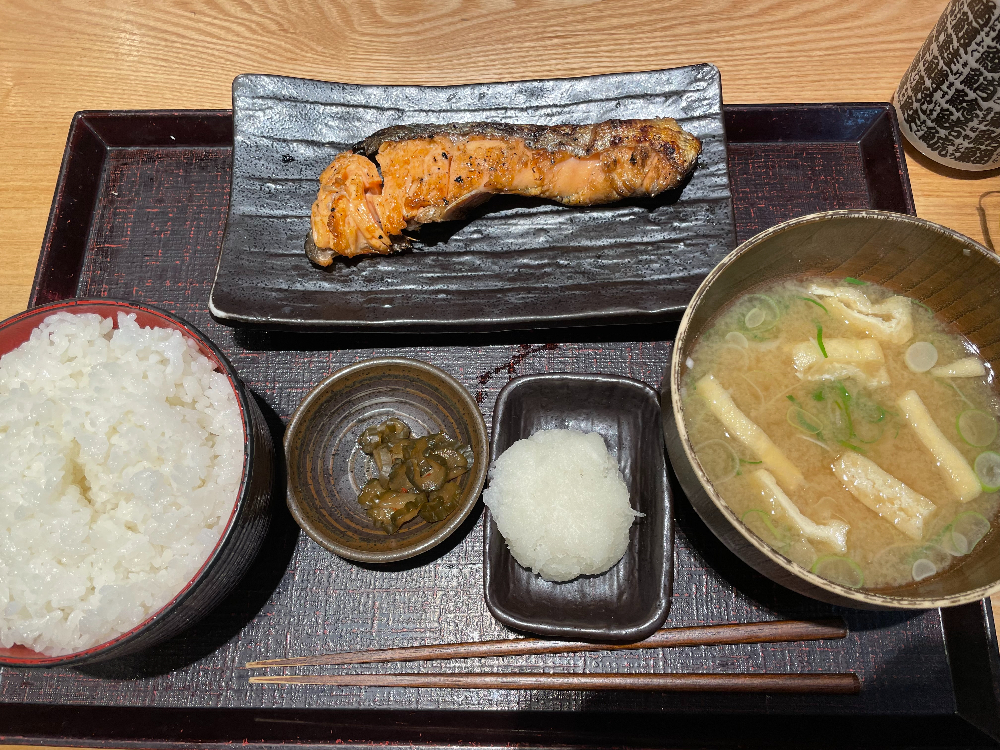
pixel 122 457
pixel 561 504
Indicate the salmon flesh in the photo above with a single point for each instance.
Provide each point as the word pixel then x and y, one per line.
pixel 429 173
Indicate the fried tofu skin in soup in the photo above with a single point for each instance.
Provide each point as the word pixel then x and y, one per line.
pixel 848 428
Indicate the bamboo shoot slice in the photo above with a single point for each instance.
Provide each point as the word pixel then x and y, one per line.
pixel 833 533
pixel 967 367
pixel 883 493
pixel 747 432
pixel 957 473
pixel 889 320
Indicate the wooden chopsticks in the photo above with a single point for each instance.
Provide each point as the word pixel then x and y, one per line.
pixel 745 683
pixel 704 635
pixel 701 635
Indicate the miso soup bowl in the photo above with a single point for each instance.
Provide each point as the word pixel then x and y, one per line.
pixel 244 530
pixel 956 277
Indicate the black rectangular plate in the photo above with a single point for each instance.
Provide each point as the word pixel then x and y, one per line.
pixel 516 262
pixel 631 600
pixel 139 211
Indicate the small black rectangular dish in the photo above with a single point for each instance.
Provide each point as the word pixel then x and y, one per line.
pixel 631 600
pixel 534 262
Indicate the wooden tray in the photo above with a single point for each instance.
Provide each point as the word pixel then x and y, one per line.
pixel 139 212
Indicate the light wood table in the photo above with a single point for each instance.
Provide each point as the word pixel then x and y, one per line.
pixel 56 59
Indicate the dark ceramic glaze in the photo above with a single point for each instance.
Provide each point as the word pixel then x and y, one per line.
pixel 326 468
pixel 536 261
pixel 631 600
pixel 951 274
pixel 247 525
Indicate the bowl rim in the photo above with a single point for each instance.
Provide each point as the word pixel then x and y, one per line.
pixel 481 434
pixel 861 596
pixel 249 451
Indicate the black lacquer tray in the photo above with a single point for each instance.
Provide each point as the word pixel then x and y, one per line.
pixel 139 212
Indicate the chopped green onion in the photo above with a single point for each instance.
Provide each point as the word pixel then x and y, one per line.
pixel 872 434
pixel 762 315
pixel 923 568
pixel 845 412
pixel 852 446
pixel 737 339
pixel 868 409
pixel 967 530
pixel 978 428
pixel 856 282
pixel 754 318
pixel 760 524
pixel 803 420
pixel 790 397
pixel 960 394
pixel 921 356
pixel 928 309
pixel 718 459
pixel 818 395
pixel 819 340
pixel 818 304
pixel 744 461
pixel 842 389
pixel 987 468
pixel 842 570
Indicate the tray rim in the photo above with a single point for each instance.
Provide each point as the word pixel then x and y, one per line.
pixel 89 725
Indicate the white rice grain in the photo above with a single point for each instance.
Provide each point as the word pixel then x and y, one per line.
pixel 122 456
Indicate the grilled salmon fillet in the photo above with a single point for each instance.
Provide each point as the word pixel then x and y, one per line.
pixel 429 173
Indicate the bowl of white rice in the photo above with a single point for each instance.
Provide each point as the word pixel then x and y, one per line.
pixel 135 488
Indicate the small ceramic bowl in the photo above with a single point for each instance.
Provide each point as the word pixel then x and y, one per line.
pixel 326 468
pixel 954 276
pixel 247 525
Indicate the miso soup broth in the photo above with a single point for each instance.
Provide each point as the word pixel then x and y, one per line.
pixel 848 428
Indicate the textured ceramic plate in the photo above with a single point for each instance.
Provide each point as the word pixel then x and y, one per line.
pixel 631 600
pixel 515 262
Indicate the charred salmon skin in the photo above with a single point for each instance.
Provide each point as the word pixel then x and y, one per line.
pixel 429 173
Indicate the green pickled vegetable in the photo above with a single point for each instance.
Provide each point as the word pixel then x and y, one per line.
pixel 441 503
pixel 415 475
